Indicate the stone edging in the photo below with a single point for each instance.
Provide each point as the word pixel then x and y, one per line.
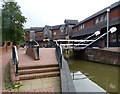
pixel 66 79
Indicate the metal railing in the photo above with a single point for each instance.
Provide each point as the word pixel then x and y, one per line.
pixel 15 59
pixel 82 43
pixel 59 55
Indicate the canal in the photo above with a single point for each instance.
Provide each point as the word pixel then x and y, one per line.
pixel 103 75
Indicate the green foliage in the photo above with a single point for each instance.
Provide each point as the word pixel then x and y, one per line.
pixel 12 22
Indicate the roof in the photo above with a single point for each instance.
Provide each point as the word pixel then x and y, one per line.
pixel 100 12
pixel 73 22
pixel 35 29
pixel 56 27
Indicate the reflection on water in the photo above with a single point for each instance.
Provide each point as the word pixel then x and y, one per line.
pixel 106 76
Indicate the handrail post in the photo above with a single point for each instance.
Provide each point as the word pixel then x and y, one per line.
pixel 13 55
pixel 15 59
pixel 16 67
pixel 38 51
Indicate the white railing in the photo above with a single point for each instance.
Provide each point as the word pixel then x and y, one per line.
pixel 15 59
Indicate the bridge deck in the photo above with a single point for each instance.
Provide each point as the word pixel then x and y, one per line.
pixel 47 56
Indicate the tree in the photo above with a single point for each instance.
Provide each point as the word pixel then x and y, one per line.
pixel 12 22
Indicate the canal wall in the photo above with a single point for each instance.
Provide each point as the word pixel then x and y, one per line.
pixel 100 55
pixel 66 79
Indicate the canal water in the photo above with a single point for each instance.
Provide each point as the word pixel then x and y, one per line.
pixel 103 75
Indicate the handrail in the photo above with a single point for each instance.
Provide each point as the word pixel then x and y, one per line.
pixel 15 59
pixel 111 30
pixel 73 44
pixel 74 40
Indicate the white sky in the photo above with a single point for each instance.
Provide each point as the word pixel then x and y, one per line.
pixel 53 12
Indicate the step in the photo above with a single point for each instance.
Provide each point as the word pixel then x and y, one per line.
pixel 38 75
pixel 36 66
pixel 31 71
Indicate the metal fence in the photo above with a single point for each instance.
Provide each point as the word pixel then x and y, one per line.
pixel 15 59
pixel 59 55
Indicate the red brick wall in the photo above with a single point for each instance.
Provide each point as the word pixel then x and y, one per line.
pixel 89 23
pixel 114 13
pixel 119 11
pixel 39 34
pixel 103 56
pixel 75 29
pixel 57 34
pixel 6 47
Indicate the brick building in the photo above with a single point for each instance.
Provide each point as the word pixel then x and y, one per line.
pixel 98 22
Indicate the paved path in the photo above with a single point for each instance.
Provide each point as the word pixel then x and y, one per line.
pixel 47 56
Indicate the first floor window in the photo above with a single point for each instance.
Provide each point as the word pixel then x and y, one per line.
pixel 97 20
pixel 105 17
pixel 62 32
pixel 101 18
pixel 54 33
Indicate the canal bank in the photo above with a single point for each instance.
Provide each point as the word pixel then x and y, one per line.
pixel 104 75
pixel 106 56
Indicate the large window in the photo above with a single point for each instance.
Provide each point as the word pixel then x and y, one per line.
pixel 97 20
pixel 105 17
pixel 32 35
pixel 101 18
pixel 81 26
pixel 54 34
pixel 61 32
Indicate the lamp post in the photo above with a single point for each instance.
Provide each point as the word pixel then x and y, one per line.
pixel 108 10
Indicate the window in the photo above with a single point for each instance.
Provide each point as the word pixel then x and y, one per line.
pixel 82 26
pixel 32 35
pixel 54 33
pixel 62 32
pixel 97 20
pixel 113 37
pixel 105 17
pixel 101 18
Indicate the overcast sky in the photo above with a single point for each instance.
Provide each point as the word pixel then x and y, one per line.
pixel 53 12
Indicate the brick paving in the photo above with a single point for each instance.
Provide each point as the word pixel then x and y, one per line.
pixel 47 56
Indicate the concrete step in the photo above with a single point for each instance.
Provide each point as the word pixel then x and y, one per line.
pixel 22 67
pixel 38 75
pixel 41 70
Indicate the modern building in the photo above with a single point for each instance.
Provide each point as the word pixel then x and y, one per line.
pixel 72 29
pixel 58 32
pixel 98 22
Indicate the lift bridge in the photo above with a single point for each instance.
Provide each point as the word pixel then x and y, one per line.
pixel 82 44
